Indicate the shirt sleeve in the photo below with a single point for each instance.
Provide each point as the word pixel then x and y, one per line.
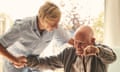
pixel 51 62
pixel 106 54
pixel 12 35
pixel 41 63
pixel 61 36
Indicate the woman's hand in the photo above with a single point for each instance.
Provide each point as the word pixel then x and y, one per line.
pixel 21 62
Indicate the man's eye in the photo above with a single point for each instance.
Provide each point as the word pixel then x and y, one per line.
pixel 80 43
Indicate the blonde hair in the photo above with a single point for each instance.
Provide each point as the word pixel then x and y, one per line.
pixel 49 11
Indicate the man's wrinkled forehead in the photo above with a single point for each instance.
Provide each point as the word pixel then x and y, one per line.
pixel 81 36
pixel 83 31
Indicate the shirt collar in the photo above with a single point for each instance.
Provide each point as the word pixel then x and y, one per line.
pixel 34 23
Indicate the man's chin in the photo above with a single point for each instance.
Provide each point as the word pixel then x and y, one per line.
pixel 79 53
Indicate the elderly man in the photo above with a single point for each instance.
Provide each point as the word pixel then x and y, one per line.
pixel 85 56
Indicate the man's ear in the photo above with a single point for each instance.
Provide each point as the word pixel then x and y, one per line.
pixel 93 40
pixel 71 41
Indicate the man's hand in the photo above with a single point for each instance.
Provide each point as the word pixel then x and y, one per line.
pixel 21 62
pixel 91 50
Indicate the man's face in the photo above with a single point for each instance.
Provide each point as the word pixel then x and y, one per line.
pixel 81 41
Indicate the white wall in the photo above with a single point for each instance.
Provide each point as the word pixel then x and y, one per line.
pixel 112 30
pixel 112 23
pixel 20 8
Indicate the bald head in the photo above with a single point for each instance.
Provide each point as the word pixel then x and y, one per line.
pixel 84 31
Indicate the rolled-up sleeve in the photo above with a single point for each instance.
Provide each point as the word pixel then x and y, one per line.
pixel 106 54
pixel 12 35
pixel 61 36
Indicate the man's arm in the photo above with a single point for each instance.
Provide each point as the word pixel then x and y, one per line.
pixel 51 62
pixel 106 54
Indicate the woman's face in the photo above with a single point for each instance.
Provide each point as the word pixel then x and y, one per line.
pixel 50 25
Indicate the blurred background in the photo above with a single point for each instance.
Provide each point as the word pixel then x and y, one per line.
pixel 102 15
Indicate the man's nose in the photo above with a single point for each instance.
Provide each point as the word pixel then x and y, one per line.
pixel 80 49
pixel 80 46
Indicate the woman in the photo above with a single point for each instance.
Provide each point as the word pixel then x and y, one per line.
pixel 34 34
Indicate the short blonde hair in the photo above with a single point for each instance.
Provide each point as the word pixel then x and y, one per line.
pixel 49 11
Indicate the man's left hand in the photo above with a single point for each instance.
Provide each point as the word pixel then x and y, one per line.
pixel 91 50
